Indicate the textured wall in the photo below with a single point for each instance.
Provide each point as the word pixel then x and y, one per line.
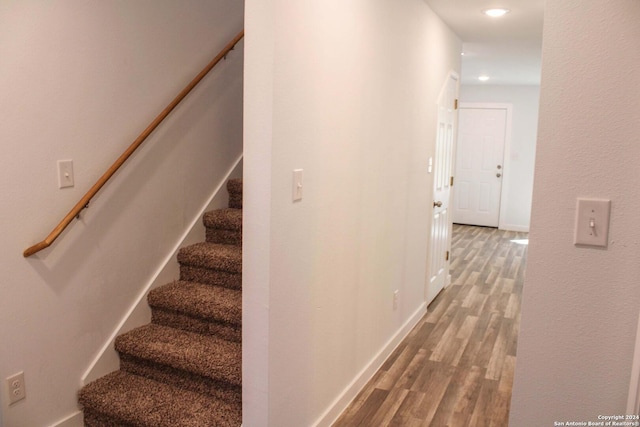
pixel 81 80
pixel 580 305
pixel 347 91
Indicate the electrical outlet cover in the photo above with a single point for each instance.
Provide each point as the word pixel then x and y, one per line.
pixel 15 384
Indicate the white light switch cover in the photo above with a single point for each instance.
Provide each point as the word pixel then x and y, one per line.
pixel 592 222
pixel 65 173
pixel 297 185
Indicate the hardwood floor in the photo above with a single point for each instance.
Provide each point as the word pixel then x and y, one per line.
pixel 456 366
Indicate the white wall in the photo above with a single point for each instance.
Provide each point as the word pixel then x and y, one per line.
pixel 521 153
pixel 347 91
pixel 81 80
pixel 580 307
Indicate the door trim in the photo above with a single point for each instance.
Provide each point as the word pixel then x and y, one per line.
pixel 506 160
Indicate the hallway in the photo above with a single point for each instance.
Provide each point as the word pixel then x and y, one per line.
pixel 456 366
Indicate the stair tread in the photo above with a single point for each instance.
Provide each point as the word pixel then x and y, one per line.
pixel 224 219
pixel 215 256
pixel 210 277
pixel 199 354
pixel 134 400
pixel 199 300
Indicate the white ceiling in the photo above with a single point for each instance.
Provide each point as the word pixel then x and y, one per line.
pixel 507 49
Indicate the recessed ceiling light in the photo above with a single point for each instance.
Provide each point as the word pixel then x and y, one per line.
pixel 495 13
pixel 483 78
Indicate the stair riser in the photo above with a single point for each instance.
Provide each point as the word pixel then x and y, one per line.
pixel 214 262
pixel 94 419
pixel 234 187
pixel 223 219
pixel 217 388
pixel 200 326
pixel 235 201
pixel 226 237
pixel 210 277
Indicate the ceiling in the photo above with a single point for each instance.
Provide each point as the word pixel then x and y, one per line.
pixel 507 49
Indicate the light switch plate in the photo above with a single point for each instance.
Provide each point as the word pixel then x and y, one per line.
pixel 297 185
pixel 65 173
pixel 592 222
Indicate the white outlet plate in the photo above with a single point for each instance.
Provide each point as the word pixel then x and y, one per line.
pixel 592 222
pixel 65 173
pixel 15 385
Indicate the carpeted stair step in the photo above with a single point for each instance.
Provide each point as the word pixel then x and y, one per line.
pixel 224 226
pixel 211 277
pixel 212 263
pixel 234 187
pixel 214 256
pixel 122 399
pixel 196 362
pixel 197 307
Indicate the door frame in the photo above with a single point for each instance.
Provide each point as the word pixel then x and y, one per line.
pixel 506 160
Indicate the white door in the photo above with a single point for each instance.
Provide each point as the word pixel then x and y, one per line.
pixel 479 166
pixel 441 221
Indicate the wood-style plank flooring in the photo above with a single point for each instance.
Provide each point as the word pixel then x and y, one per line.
pixel 456 366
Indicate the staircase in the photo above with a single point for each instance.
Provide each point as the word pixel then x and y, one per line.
pixel 184 368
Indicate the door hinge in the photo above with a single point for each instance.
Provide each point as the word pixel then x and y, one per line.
pixel 455 104
pixel 446 257
pixel 451 182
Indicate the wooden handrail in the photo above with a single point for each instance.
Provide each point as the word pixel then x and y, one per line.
pixel 84 202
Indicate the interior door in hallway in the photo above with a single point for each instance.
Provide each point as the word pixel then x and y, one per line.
pixel 441 220
pixel 479 165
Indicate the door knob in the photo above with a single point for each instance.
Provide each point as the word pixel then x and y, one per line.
pixel 499 167
pixel 438 204
pixel 498 174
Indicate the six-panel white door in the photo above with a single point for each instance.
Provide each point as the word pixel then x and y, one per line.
pixel 479 166
pixel 441 220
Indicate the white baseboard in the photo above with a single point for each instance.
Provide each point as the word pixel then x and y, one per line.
pixel 73 420
pixel 362 378
pixel 139 314
pixel 513 227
